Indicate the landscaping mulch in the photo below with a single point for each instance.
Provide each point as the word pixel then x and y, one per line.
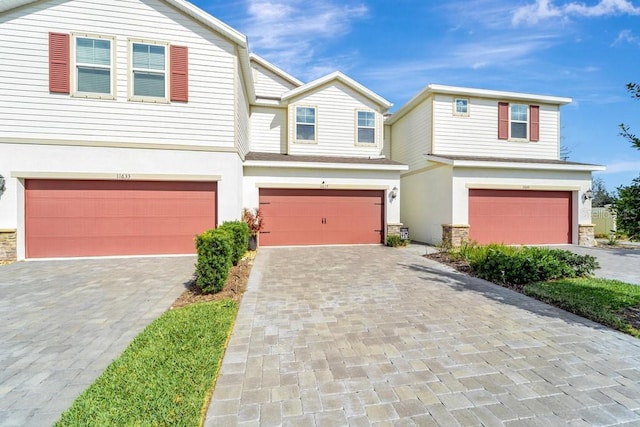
pixel 233 288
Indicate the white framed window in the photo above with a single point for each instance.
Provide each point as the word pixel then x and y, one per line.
pixel 305 124
pixel 365 127
pixel 93 66
pixel 518 121
pixel 461 107
pixel 148 71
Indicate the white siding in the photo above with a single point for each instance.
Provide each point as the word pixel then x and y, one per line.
pixel 268 83
pixel 477 134
pixel 427 202
pixel 336 106
pixel 411 136
pixel 30 111
pixel 386 149
pixel 242 116
pixel 268 129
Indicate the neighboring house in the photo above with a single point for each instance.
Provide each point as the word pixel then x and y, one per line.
pixel 131 125
pixel 485 166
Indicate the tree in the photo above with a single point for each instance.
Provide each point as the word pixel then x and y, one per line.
pixel 625 132
pixel 627 208
pixel 601 196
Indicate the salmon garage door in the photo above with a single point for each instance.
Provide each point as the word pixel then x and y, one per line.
pixel 97 218
pixel 321 217
pixel 519 217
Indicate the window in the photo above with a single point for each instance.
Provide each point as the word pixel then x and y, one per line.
pixel 519 122
pixel 366 127
pixel 305 124
pixel 93 66
pixel 461 107
pixel 148 69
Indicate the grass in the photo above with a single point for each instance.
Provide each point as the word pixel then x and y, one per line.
pixel 165 375
pixel 600 300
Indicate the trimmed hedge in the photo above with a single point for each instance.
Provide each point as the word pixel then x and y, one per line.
pixel 215 257
pixel 519 266
pixel 239 232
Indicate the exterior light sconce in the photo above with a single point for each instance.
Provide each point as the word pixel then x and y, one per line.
pixel 393 193
pixel 588 195
pixel 2 182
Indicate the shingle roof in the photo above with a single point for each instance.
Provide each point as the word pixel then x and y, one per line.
pixel 511 160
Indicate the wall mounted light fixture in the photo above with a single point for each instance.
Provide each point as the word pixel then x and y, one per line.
pixel 588 195
pixel 2 182
pixel 393 193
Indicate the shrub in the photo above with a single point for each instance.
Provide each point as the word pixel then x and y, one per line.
pixel 394 241
pixel 215 256
pixel 519 266
pixel 239 231
pixel 253 218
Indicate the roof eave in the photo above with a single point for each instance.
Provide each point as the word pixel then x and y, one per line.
pixel 323 165
pixel 492 164
pixel 274 69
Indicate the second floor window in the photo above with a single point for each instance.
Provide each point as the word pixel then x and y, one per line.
pixel 149 64
pixel 93 65
pixel 305 124
pixel 519 121
pixel 366 127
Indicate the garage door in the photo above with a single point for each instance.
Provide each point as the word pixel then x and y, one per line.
pixel 320 217
pixel 98 218
pixel 519 217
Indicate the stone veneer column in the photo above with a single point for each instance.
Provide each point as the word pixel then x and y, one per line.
pixel 586 235
pixel 393 229
pixel 454 235
pixel 7 245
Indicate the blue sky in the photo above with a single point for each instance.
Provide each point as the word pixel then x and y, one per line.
pixel 587 50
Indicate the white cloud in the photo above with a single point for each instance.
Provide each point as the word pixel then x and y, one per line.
pixel 542 10
pixel 620 167
pixel 626 36
pixel 291 33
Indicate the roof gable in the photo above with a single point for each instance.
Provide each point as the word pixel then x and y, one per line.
pixel 342 78
pixel 268 66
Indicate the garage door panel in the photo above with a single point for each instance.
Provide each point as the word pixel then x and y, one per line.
pixel 97 218
pixel 520 217
pixel 314 217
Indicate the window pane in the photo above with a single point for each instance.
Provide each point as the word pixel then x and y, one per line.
pixel 461 106
pixel 93 51
pixel 305 132
pixel 519 130
pixel 147 56
pixel 305 115
pixel 366 135
pixel 95 80
pixel 519 113
pixel 366 118
pixel 148 84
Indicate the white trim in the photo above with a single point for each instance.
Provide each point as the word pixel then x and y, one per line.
pixel 130 70
pixel 493 164
pixel 295 124
pixel 322 165
pixel 527 122
pixel 337 75
pixel 358 143
pixel 269 66
pixel 309 186
pixel 113 176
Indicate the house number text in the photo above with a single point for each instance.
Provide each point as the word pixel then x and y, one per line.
pixel 123 176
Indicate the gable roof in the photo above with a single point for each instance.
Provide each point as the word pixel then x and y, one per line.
pixel 198 15
pixel 275 70
pixel 477 93
pixel 342 78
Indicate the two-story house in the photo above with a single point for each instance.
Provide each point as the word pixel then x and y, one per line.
pixel 485 166
pixel 129 126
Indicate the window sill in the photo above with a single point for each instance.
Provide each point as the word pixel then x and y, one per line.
pixel 94 96
pixel 296 141
pixel 366 144
pixel 149 99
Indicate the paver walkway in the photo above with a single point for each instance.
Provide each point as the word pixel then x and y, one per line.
pixel 371 335
pixel 63 322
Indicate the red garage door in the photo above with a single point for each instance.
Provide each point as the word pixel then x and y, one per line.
pixel 320 217
pixel 519 217
pixel 99 218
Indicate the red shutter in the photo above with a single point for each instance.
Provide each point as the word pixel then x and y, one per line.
pixel 58 63
pixel 534 132
pixel 179 69
pixel 503 120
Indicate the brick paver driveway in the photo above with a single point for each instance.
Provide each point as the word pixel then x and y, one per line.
pixel 63 322
pixel 364 335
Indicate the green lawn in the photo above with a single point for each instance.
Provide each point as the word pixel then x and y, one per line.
pixel 600 300
pixel 165 375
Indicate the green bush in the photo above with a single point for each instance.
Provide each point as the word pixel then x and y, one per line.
pixel 519 266
pixel 215 257
pixel 239 231
pixel 394 241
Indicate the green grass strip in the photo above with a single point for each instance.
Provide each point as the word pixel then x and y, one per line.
pixel 600 300
pixel 165 375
